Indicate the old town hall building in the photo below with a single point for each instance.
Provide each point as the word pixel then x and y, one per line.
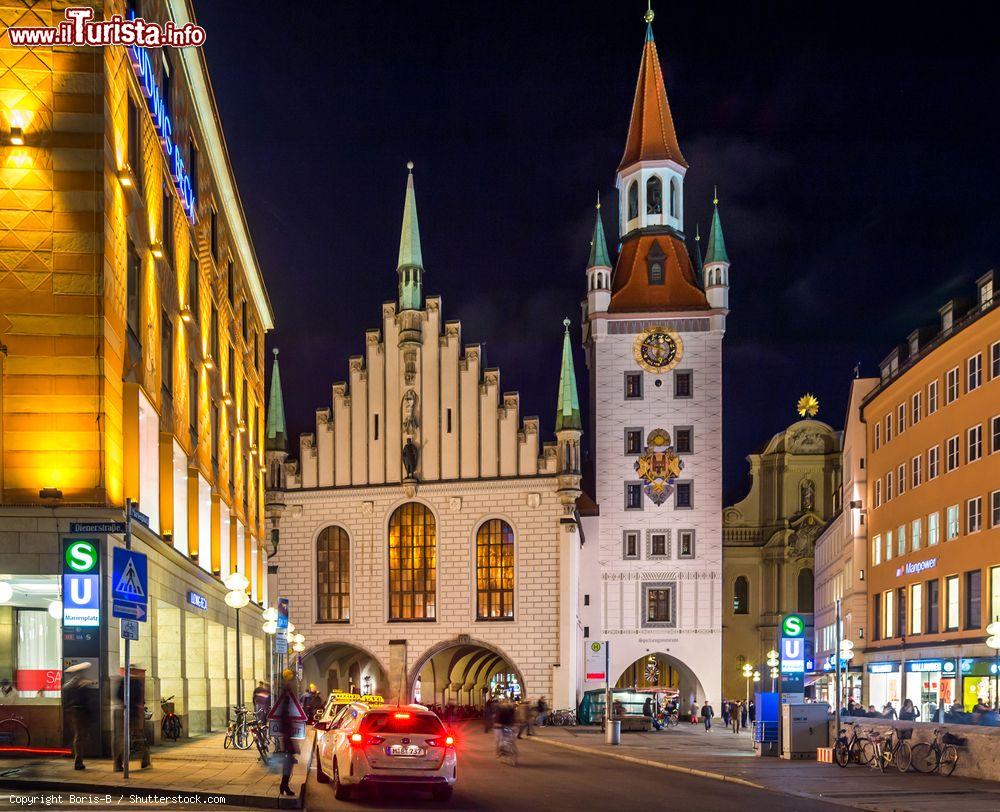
pixel 434 544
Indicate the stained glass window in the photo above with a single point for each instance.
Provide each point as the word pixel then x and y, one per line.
pixel 333 575
pixel 495 571
pixel 412 563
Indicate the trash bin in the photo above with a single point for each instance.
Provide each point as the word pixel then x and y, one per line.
pixel 613 732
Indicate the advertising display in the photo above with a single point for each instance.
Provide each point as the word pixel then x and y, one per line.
pixel 793 658
pixel 596 662
pixel 81 590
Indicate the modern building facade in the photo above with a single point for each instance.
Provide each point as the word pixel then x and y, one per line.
pixel 132 319
pixel 933 433
pixel 653 323
pixel 841 555
pixel 769 540
pixel 426 535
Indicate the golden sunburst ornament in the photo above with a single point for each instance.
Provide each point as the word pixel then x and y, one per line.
pixel 808 405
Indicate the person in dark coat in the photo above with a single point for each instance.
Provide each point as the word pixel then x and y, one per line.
pixel 647 711
pixel 286 728
pixel 74 694
pixel 706 715
pixel 137 724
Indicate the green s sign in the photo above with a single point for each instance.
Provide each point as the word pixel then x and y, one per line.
pixel 81 556
pixel 792 626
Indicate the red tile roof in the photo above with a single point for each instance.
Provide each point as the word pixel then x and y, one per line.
pixel 632 291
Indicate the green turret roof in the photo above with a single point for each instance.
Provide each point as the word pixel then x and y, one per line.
pixel 275 434
pixel 409 239
pixel 598 245
pixel 716 244
pixel 568 407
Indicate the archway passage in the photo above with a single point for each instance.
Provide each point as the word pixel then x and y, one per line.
pixel 465 675
pixel 662 674
pixel 343 667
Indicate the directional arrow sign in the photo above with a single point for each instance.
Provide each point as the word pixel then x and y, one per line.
pixel 125 609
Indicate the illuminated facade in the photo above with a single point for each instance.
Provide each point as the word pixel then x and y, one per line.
pixel 933 506
pixel 425 535
pixel 132 319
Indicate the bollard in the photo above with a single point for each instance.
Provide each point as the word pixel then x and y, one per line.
pixel 613 732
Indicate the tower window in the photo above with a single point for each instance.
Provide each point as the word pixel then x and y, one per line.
pixel 683 384
pixel 633 496
pixel 633 200
pixel 655 273
pixel 741 596
pixel 654 195
pixel 654 264
pixel 633 386
pixel 633 441
pixel 630 544
pixel 674 197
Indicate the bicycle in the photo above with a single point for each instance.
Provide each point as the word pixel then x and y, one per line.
pixel 850 750
pixel 170 725
pixel 507 746
pixel 889 749
pixel 940 755
pixel 259 736
pixel 237 731
pixel 14 732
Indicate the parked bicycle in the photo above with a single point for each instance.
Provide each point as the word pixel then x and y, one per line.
pixel 939 755
pixel 561 718
pixel 889 749
pixel 237 731
pixel 170 725
pixel 850 751
pixel 13 731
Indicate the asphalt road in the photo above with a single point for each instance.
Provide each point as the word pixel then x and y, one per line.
pixel 550 778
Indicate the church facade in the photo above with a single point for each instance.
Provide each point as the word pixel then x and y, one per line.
pixel 426 531
pixel 653 324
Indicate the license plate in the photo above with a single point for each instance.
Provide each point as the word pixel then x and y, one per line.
pixel 405 750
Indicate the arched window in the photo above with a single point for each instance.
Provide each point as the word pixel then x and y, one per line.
pixel 412 563
pixel 495 571
pixel 741 596
pixel 333 575
pixel 673 197
pixel 805 590
pixel 654 196
pixel 633 200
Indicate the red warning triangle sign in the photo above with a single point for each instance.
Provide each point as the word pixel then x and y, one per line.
pixel 287 703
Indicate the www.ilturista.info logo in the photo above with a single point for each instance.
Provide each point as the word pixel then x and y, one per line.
pixel 80 28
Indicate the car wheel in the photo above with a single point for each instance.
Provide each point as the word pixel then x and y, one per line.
pixel 341 792
pixel 321 775
pixel 442 793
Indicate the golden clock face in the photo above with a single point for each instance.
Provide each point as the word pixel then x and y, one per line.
pixel 658 350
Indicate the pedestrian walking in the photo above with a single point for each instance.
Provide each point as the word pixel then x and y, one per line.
pixel 136 721
pixel 744 715
pixel 752 711
pixel 706 715
pixel 734 716
pixel 648 711
pixel 542 709
pixel 286 728
pixel 489 711
pixel 309 700
pixel 262 698
pixel 725 713
pixel 77 709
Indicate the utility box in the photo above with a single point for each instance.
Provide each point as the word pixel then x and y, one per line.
pixel 765 726
pixel 803 729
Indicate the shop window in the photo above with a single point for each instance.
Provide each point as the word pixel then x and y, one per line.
pixel 973 599
pixel 31 656
pixel 741 595
pixel 333 575
pixel 412 563
pixel 933 607
pixel 495 571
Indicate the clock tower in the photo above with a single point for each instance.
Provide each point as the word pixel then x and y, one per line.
pixel 651 569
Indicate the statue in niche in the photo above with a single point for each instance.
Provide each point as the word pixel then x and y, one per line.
pixel 411 457
pixel 409 407
pixel 410 367
pixel 807 495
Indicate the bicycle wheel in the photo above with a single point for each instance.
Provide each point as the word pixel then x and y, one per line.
pixel 242 738
pixel 949 760
pixel 902 756
pixel 841 753
pixel 262 748
pixel 14 733
pixel 923 757
pixel 857 753
pixel 868 754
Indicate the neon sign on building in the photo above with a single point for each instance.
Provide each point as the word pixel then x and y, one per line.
pixel 144 70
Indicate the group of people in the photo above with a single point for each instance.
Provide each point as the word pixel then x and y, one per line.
pixel 981 713
pixel 520 716
pixel 735 715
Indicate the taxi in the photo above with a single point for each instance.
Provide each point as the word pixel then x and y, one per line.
pixel 335 705
pixel 372 746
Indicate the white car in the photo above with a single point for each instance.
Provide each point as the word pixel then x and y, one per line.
pixel 399 744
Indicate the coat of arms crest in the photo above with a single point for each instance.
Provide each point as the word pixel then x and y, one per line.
pixel 658 466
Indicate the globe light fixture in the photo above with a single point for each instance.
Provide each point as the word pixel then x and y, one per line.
pixel 236 580
pixel 298 648
pixel 271 613
pixel 56 609
pixel 291 627
pixel 270 627
pixel 237 599
pixel 756 676
pixel 6 592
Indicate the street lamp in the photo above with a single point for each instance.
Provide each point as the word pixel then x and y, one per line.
pixel 237 598
pixel 993 641
pixel 747 674
pixel 772 662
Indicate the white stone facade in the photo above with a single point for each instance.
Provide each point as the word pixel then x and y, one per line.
pixel 614 583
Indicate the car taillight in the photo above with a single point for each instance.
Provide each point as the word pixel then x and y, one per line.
pixel 361 740
pixel 443 741
pixel 401 716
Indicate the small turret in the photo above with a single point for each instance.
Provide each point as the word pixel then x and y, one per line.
pixel 275 454
pixel 569 427
pixel 716 268
pixel 411 262
pixel 598 269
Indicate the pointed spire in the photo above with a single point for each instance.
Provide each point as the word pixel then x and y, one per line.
pixel 568 406
pixel 716 244
pixel 696 260
pixel 598 245
pixel 651 133
pixel 411 261
pixel 275 434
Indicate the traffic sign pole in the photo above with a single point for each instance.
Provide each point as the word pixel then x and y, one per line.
pixel 126 746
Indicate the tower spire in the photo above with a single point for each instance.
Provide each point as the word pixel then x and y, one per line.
pixel 411 262
pixel 598 245
pixel 276 440
pixel 568 405
pixel 716 251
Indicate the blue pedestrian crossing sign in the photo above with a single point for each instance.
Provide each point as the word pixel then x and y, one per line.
pixel 129 585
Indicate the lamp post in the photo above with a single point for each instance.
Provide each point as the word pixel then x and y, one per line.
pixel 772 663
pixel 747 675
pixel 237 598
pixel 993 641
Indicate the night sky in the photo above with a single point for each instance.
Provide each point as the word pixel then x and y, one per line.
pixel 854 155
